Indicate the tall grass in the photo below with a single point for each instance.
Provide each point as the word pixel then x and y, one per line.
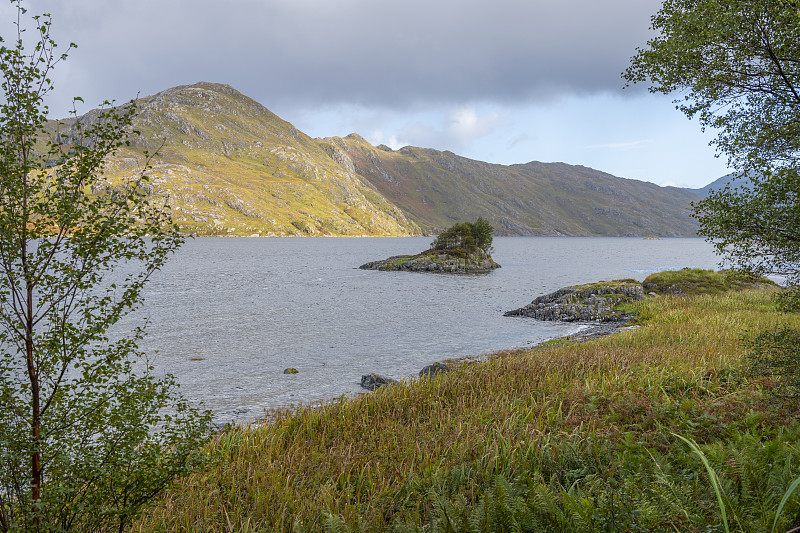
pixel 568 437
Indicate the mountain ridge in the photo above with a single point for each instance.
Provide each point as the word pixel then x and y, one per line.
pixel 232 167
pixel 733 180
pixel 532 198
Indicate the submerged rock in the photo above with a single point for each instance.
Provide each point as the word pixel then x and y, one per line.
pixel 450 261
pixel 595 302
pixel 373 381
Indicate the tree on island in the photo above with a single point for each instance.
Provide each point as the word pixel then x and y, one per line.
pixel 87 433
pixel 736 64
pixel 468 236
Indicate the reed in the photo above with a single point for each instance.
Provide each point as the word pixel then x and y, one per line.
pixel 572 436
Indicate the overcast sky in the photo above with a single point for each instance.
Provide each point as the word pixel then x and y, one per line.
pixel 506 81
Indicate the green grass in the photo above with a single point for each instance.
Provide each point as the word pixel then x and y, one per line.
pixel 699 281
pixel 604 284
pixel 562 437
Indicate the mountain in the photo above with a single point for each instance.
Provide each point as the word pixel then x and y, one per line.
pixel 231 167
pixel 436 189
pixel 732 179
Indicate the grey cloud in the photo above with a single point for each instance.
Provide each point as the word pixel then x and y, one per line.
pixel 372 53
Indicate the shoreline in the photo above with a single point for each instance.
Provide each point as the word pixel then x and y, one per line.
pixel 590 332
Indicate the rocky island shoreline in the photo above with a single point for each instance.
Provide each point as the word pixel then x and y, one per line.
pixel 450 261
pixel 594 304
pixel 460 249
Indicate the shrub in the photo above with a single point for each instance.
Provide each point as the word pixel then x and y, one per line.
pixel 788 301
pixel 699 281
pixel 777 354
pixel 468 236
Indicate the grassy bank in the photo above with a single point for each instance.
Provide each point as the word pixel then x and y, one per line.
pixel 564 437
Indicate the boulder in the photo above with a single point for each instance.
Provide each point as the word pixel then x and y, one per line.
pixel 291 371
pixel 373 381
pixel 435 368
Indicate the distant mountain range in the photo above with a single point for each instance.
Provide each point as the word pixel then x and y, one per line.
pixel 231 167
pixel 733 180
pixel 436 189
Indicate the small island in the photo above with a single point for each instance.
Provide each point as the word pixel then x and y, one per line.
pixel 461 249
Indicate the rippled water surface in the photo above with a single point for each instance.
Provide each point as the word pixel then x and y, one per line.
pixel 228 315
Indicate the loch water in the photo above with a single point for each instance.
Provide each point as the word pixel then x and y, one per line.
pixel 226 316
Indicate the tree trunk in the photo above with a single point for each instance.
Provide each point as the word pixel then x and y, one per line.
pixel 33 376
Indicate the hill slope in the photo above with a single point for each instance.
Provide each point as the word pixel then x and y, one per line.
pixel 436 188
pixel 232 167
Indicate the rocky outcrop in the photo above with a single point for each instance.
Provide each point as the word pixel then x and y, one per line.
pixel 450 261
pixel 595 302
pixel 431 370
pixel 373 381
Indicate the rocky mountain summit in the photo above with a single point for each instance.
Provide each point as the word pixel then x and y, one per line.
pixel 595 302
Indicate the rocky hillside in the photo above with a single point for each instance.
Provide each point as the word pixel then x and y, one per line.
pixel 231 167
pixel 436 188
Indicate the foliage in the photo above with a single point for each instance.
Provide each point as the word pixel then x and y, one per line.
pixel 788 300
pixel 469 236
pixel 758 229
pixel 568 437
pixel 87 434
pixel 774 353
pixel 738 66
pixel 722 499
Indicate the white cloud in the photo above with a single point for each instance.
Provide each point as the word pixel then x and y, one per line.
pixel 682 184
pixel 376 137
pixel 466 126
